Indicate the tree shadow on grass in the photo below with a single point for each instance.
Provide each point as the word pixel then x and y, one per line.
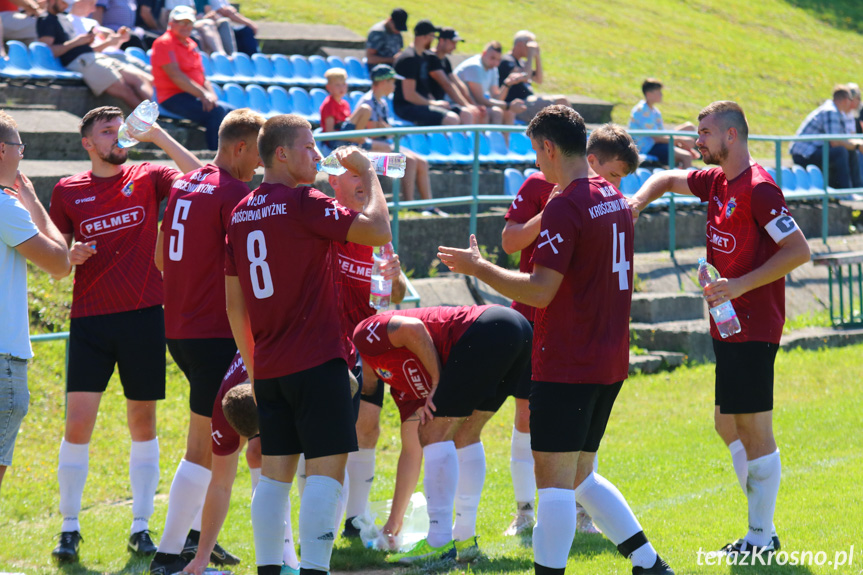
pixel 841 14
pixel 586 545
pixel 134 566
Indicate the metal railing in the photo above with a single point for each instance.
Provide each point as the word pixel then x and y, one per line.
pixel 475 199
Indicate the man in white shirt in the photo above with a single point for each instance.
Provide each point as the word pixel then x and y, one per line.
pixel 480 75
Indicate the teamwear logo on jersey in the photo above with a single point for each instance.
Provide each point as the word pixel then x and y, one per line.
pixel 549 240
pixel 722 242
pixel 371 329
pixel 113 222
pixel 384 373
pixel 128 189
pixel 517 199
pixel 217 435
pixel 732 205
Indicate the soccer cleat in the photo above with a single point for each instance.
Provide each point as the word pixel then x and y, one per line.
pixel 423 552
pixel 522 525
pixel 351 529
pixel 219 556
pixel 67 549
pixel 584 523
pixel 289 571
pixel 744 548
pixel 775 539
pixel 467 550
pixel 141 543
pixel 167 564
pixel 659 568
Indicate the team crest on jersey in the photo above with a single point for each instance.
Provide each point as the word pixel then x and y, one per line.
pixel 732 205
pixel 128 189
pixel 384 373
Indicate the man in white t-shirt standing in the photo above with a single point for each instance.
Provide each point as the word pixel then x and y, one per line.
pixel 480 75
pixel 26 233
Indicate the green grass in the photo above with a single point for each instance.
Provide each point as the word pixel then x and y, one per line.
pixel 660 450
pixel 779 59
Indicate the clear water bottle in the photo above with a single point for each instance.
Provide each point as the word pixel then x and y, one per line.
pixel 723 314
pixel 390 165
pixel 382 289
pixel 138 122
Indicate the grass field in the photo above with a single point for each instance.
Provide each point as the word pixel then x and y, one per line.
pixel 660 450
pixel 778 58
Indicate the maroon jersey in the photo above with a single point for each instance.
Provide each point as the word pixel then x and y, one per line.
pixel 281 246
pixel 355 272
pixel 406 403
pixel 400 367
pixel 121 214
pixel 226 440
pixel 193 251
pixel 583 334
pixel 529 201
pixel 746 218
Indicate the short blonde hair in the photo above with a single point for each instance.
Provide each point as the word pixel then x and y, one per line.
pixel 8 126
pixel 336 74
pixel 242 124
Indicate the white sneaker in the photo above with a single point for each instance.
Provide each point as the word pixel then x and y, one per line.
pixel 584 523
pixel 522 526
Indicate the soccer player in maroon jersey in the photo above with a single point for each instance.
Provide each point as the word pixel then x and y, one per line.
pixel 283 306
pixel 754 243
pixel 464 362
pixel 117 314
pixel 582 285
pixel 196 325
pixel 611 154
pixel 355 270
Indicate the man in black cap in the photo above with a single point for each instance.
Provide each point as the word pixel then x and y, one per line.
pixel 413 99
pixel 448 84
pixel 385 42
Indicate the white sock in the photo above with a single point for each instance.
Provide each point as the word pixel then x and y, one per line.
pixel 301 475
pixel 738 460
pixel 199 516
pixel 471 476
pixel 612 515
pixel 289 553
pixel 255 474
pixel 521 468
pixel 762 489
pixel 74 462
pixel 361 466
pixel 555 527
pixel 185 501
pixel 578 507
pixel 441 479
pixel 268 508
pixel 343 503
pixel 318 509
pixel 144 477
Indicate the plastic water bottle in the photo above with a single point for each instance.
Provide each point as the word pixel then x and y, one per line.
pixel 723 314
pixel 390 165
pixel 138 122
pixel 382 289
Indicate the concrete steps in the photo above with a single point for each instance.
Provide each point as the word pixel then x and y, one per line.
pixel 661 307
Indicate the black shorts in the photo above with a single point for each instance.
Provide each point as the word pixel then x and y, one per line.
pixel 484 364
pixel 307 412
pixel 134 341
pixel 355 400
pixel 422 115
pixel 524 383
pixel 744 376
pixel 376 397
pixel 204 363
pixel 568 417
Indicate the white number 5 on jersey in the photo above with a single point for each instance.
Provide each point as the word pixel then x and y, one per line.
pixel 175 244
pixel 619 265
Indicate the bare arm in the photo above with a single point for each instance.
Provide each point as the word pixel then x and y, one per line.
pixel 478 94
pixel 158 256
pixel 372 226
pixel 793 252
pixel 99 14
pixel 60 49
pixel 666 181
pixel 183 82
pixel 536 289
pixel 47 249
pixel 411 333
pixel 186 161
pixel 235 16
pixel 409 91
pixel 440 77
pixel 515 237
pixel 241 327
pixel 30 7
pixel 372 57
pixel 407 477
pixel 147 17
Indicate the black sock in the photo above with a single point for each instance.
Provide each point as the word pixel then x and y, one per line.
pixel 269 569
pixel 543 570
pixel 165 558
pixel 194 535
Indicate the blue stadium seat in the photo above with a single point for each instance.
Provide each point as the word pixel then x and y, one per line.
pixel 264 67
pixel 529 172
pixel 462 147
pixel 629 185
pixel 139 53
pixel 43 59
pixel 235 95
pixel 336 62
pixel 284 68
pixel 259 100
pixel 816 178
pixel 772 173
pixel 206 63
pixel 643 174
pixel 303 72
pixel 789 182
pixel 318 96
pixel 302 104
pixel 353 97
pixel 802 178
pixel 441 149
pixel 245 69
pixel 319 66
pixel 417 143
pixel 19 62
pixel 357 69
pixel 223 69
pixel 220 93
pixel 512 181
pixel 519 144
pixel 280 101
pixel 498 150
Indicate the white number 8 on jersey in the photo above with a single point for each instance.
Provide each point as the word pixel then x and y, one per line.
pixel 262 285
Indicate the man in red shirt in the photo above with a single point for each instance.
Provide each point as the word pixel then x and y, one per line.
pixel 611 154
pixel 178 76
pixel 582 283
pixel 116 311
pixel 753 242
pixel 463 361
pixel 284 313
pixel 196 325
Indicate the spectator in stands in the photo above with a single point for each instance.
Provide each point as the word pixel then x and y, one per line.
pixel 101 73
pixel 448 86
pixel 107 41
pixel 646 116
pixel 479 73
pixel 240 32
pixel 18 20
pixel 829 118
pixel 385 42
pixel 413 99
pixel 521 68
pixel 335 110
pixel 179 76
pixel 117 14
pixel 371 112
pixel 208 33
